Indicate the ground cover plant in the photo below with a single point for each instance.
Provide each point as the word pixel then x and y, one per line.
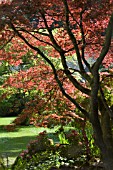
pixel 67 151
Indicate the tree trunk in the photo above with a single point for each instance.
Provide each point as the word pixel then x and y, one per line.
pixel 108 160
pixel 106 125
pixel 101 125
pixel 104 142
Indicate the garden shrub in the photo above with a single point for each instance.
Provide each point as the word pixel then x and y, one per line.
pixel 71 150
pixel 12 105
pixel 43 153
pixel 10 128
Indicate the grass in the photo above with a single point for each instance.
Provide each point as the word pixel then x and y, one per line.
pixel 12 143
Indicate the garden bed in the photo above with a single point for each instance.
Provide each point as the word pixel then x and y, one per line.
pixel 13 143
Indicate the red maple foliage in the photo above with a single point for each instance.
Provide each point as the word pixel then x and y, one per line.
pixel 66 28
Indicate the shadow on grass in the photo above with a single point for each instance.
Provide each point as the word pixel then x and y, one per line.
pixel 17 128
pixel 13 146
pixel 3 130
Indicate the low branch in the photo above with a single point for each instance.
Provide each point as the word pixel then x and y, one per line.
pixel 23 30
pixel 54 72
pixel 64 63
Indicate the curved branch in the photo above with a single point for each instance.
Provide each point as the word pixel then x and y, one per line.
pixel 62 52
pixel 83 41
pixel 55 44
pixel 54 72
pixel 74 41
pixel 35 36
pixel 106 46
pixel 71 78
pixel 63 60
pixel 67 72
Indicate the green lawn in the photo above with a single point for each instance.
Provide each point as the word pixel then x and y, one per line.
pixel 12 143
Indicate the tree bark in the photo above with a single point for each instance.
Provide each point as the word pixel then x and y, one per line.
pixel 101 124
pixel 106 125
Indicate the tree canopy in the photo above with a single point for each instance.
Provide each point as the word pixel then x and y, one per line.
pixel 65 30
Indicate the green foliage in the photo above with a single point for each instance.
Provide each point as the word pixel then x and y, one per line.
pixel 12 143
pixel 94 150
pixel 2 164
pixel 43 153
pixel 12 105
pixel 39 161
pixel 72 144
pixel 28 61
pixel 64 147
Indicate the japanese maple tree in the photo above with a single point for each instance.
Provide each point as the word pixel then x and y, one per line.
pixel 66 28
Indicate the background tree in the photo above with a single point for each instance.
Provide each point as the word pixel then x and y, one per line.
pixel 66 28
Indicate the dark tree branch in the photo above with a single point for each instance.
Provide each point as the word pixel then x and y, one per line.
pixel 83 41
pixel 74 41
pixel 37 32
pixel 106 46
pixel 62 52
pixel 23 30
pixel 55 44
pixel 71 78
pixel 67 72
pixel 54 72
pixel 109 111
